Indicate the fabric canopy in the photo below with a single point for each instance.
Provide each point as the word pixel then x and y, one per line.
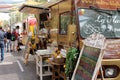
pixel 11 1
pixel 9 5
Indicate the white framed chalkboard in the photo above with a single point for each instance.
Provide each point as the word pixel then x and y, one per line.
pixel 106 22
pixel 88 63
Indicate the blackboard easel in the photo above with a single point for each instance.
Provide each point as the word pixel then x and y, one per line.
pixel 90 58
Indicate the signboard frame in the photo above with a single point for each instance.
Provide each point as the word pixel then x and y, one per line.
pixel 97 66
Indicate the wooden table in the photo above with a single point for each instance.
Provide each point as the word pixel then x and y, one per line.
pixel 57 70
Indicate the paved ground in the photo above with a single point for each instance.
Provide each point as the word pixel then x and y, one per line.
pixel 13 68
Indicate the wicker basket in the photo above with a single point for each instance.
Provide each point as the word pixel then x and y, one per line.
pixel 59 60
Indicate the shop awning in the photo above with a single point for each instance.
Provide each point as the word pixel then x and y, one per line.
pixel 14 5
pixel 33 9
pixel 36 7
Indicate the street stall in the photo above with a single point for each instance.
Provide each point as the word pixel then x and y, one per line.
pixel 60 34
pixel 56 36
pixel 49 49
pixel 31 29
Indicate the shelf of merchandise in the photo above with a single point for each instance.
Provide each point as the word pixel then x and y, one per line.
pixel 41 65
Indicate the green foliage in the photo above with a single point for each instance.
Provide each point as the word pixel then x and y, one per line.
pixel 70 60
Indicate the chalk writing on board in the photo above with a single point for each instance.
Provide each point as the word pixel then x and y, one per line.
pixel 87 64
pixel 91 21
pixel 96 40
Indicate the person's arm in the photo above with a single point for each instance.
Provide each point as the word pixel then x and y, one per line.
pixel 5 37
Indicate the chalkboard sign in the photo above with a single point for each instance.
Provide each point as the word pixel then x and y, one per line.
pixel 88 64
pixel 106 22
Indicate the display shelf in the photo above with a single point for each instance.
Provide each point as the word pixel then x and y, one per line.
pixel 47 73
pixel 46 65
pixel 42 67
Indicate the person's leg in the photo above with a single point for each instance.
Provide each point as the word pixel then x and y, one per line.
pixel 12 46
pixel 2 50
pixel 16 44
pixel 7 45
pixel 2 54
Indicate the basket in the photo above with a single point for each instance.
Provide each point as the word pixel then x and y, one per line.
pixel 59 60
